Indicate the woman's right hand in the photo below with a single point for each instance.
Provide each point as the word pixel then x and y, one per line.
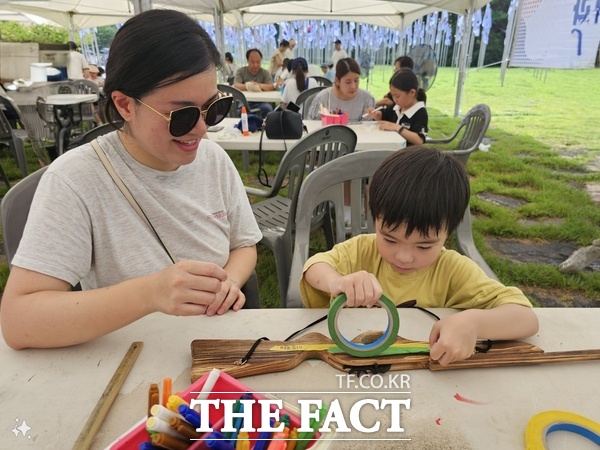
pixel 187 288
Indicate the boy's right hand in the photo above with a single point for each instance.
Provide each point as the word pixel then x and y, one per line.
pixel 186 288
pixel 361 289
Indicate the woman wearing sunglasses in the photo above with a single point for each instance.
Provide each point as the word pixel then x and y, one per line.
pixel 161 92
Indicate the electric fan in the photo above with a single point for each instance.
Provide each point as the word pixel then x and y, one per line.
pixel 365 67
pixel 425 64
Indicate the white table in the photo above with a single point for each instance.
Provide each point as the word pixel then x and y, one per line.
pixel 370 137
pixel 70 99
pixel 54 391
pixel 264 96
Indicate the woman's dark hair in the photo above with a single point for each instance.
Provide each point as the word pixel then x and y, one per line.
pixel 147 54
pixel 422 187
pixel 228 57
pixel 253 50
pixel 300 66
pixel 345 66
pixel 284 43
pixel 406 80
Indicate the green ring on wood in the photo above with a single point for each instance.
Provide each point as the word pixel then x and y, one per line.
pixel 363 350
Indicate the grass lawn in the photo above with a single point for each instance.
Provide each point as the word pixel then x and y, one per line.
pixel 543 151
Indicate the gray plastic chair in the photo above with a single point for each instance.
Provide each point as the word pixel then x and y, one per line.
pixel 240 100
pixel 326 184
pixel 470 133
pixel 305 98
pixel 326 82
pixel 11 135
pixel 14 210
pixel 276 215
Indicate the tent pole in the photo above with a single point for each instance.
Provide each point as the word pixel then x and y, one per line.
pixel 141 6
pixel 462 73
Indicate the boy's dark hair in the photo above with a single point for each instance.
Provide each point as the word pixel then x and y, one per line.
pixel 421 187
pixel 253 50
pixel 146 55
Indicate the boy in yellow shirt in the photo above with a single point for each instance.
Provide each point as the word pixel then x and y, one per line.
pixel 417 198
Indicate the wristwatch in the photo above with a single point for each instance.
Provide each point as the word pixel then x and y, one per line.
pixel 402 127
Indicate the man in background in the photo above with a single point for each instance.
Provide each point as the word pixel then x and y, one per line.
pixel 254 78
pixel 77 65
pixel 338 53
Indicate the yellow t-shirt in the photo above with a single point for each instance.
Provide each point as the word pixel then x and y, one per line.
pixel 452 281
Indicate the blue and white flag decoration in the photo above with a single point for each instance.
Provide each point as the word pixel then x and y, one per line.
pixel 487 25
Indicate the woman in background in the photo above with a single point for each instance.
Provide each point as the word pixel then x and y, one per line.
pixel 298 82
pixel 345 95
pixel 230 68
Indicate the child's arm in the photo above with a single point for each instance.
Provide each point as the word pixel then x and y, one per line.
pixel 454 337
pixel 361 288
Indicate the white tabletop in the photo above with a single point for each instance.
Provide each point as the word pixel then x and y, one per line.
pixel 370 137
pixel 54 391
pixel 70 99
pixel 264 96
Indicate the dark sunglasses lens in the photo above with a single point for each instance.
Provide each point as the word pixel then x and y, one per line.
pixel 183 120
pixel 218 110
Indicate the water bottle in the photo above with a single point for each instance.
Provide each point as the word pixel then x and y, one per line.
pixel 244 122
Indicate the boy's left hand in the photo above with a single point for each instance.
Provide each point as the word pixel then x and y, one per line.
pixel 453 338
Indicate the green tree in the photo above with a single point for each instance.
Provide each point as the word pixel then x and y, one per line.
pixel 43 34
pixel 105 36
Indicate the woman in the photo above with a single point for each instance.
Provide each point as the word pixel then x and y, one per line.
pixel 230 68
pixel 162 92
pixel 345 95
pixel 409 116
pixel 298 83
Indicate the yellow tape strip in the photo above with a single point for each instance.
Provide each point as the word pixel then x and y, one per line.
pixel 544 423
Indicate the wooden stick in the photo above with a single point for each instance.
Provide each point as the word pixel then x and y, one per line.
pixel 94 422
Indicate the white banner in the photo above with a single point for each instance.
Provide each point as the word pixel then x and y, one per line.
pixel 561 34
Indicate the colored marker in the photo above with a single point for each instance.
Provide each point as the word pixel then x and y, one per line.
pixel 217 441
pixel 263 440
pixel 164 413
pixel 239 422
pixel 174 402
pixel 379 108
pixel 291 444
pixel 181 426
pixel 166 393
pixel 209 384
pixel 152 397
pixel 243 442
pixel 160 426
pixel 191 415
pixel 149 446
pixel 305 437
pixel 165 441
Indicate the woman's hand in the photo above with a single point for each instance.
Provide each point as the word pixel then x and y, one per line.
pixel 230 297
pixel 189 288
pixel 372 113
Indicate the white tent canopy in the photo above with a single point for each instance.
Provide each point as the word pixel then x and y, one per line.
pixel 82 14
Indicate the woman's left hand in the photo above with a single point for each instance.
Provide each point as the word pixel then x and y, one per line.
pixel 230 297
pixel 388 126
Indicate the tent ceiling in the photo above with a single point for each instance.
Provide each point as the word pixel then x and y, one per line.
pixel 82 14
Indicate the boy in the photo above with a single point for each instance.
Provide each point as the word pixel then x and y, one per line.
pixel 417 198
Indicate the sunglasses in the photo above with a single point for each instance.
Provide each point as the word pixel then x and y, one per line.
pixel 183 120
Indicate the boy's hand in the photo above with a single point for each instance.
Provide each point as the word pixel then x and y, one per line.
pixel 453 338
pixel 361 288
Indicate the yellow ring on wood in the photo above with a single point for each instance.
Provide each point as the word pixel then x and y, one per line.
pixel 544 423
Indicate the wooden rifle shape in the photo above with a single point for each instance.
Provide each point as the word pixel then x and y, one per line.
pixel 223 355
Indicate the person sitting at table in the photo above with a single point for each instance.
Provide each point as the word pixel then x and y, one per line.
pixel 409 116
pixel 283 73
pixel 402 62
pixel 254 78
pixel 345 95
pixel 417 198
pixel 162 92
pixel 230 68
pixel 95 75
pixel 298 83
